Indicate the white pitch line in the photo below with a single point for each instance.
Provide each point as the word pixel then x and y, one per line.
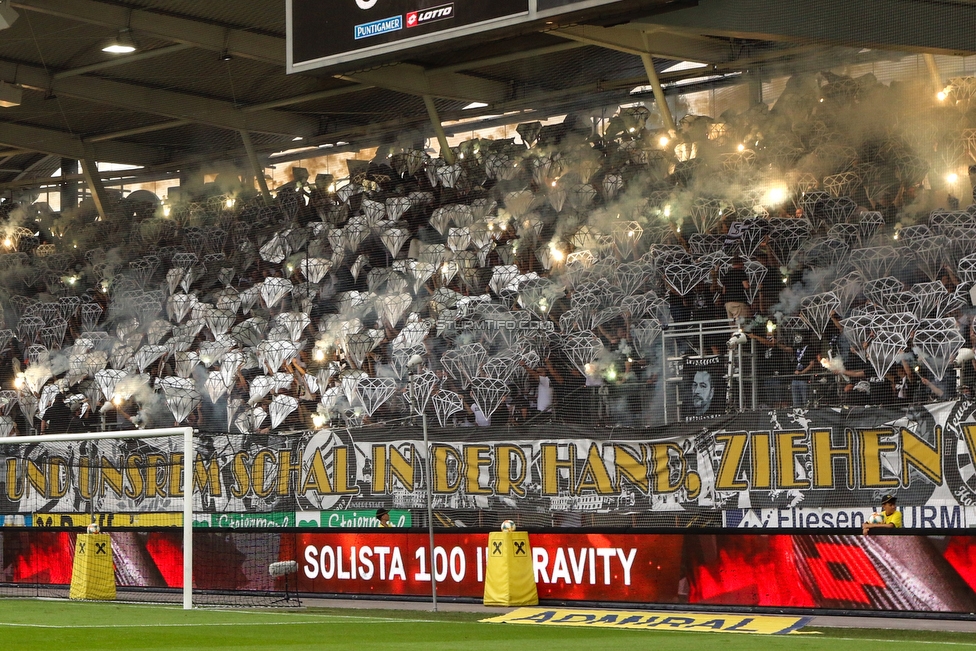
pixel 202 624
pixel 864 639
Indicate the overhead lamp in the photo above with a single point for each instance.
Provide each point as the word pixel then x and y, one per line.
pixel 7 14
pixel 122 44
pixel 10 96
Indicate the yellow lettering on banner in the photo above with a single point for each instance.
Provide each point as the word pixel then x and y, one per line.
pixel 242 476
pixel 786 451
pixel 380 469
pixel 442 480
pixel 134 464
pixel 286 471
pixel 206 476
pixel 317 479
pixel 111 477
pixel 661 470
pixel 476 457
pixel 260 473
pixel 634 469
pixel 762 473
pixel 176 475
pixel 403 469
pixel 36 477
pixel 872 448
pixel 969 435
pixel 105 520
pixel 594 475
pixel 639 620
pixel 57 477
pixel 824 454
pixel 508 485
pixel 340 469
pixel 155 481
pixel 551 465
pixel 13 492
pixel 728 469
pixel 917 453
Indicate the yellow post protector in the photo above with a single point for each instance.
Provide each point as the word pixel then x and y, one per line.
pixel 654 621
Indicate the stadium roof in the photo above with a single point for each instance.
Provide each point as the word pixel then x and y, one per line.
pixel 204 73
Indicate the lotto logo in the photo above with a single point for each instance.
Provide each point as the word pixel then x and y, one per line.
pixel 417 18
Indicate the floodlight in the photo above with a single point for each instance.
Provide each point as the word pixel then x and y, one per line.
pixel 121 44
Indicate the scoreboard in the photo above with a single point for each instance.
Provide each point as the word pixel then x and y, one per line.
pixel 324 33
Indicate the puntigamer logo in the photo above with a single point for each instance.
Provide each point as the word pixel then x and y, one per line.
pixel 424 16
pixel 377 27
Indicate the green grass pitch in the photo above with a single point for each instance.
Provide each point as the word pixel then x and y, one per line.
pixel 63 626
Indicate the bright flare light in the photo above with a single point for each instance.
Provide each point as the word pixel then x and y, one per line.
pixel 952 178
pixel 663 141
pixel 941 95
pixel 776 196
pixel 741 147
pixel 557 255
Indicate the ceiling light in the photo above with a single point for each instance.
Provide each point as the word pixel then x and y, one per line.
pixel 7 15
pixel 685 65
pixel 122 44
pixel 10 96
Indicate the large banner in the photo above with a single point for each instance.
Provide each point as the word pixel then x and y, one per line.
pixel 778 470
pixel 877 572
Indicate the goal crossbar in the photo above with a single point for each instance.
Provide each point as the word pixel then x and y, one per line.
pixel 188 455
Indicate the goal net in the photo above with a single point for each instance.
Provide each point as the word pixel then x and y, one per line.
pixel 108 510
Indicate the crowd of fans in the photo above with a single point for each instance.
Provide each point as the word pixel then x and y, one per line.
pixel 515 281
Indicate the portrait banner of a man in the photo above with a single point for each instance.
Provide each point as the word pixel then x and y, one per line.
pixel 704 385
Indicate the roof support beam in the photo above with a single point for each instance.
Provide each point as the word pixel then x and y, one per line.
pixel 159 102
pixel 414 80
pixel 664 45
pixel 659 99
pixel 121 61
pixel 256 167
pixel 934 27
pixel 457 67
pixel 308 97
pixel 149 128
pixel 30 168
pixel 90 169
pixel 59 143
pixel 236 42
pixel 508 58
pixel 435 122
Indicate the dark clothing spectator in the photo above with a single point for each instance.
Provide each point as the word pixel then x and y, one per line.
pixel 736 282
pixel 57 418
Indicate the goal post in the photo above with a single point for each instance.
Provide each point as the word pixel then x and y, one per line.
pixel 187 483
